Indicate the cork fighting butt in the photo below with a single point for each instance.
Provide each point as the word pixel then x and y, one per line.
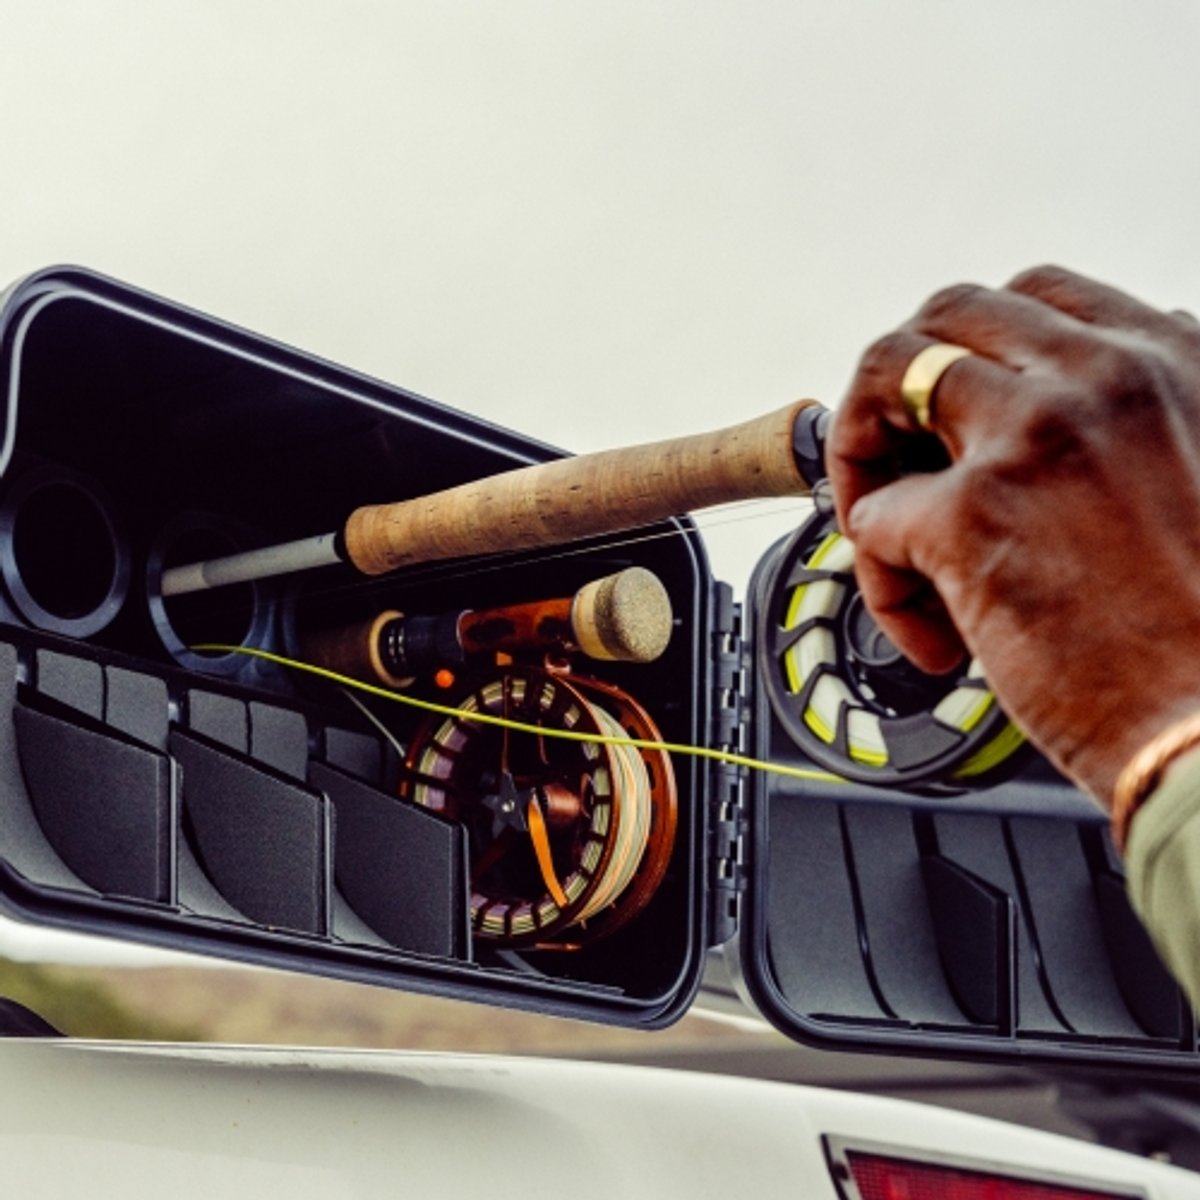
pixel 591 494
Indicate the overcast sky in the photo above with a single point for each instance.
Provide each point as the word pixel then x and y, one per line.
pixel 598 223
pixel 603 222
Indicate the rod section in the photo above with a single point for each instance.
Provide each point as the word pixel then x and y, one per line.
pixel 551 504
pixel 301 555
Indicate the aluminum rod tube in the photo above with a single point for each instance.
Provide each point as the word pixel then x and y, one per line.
pixel 319 551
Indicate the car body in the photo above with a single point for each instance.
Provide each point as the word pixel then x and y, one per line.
pixel 140 1120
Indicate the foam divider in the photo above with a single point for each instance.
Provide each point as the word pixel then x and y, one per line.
pixel 207 803
pixel 964 925
pixel 400 867
pixel 106 804
pixel 263 840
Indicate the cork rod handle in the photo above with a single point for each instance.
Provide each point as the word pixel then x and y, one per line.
pixel 585 496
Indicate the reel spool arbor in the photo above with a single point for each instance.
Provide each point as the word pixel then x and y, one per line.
pixel 569 840
pixel 850 700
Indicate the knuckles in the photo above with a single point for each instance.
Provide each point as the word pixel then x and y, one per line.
pixel 1076 422
pixel 946 309
pixel 1122 386
pixel 1043 281
pixel 1186 328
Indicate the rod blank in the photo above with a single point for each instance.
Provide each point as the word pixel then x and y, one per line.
pixel 301 555
pixel 550 504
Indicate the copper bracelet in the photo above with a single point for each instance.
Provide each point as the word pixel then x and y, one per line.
pixel 1144 772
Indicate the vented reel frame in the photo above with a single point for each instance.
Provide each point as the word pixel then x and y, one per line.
pixel 847 697
pixel 569 840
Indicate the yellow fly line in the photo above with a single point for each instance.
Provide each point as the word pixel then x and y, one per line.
pixel 705 752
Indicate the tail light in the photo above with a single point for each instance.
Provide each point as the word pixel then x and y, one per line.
pixel 864 1175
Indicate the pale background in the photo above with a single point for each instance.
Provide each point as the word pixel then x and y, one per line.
pixel 606 222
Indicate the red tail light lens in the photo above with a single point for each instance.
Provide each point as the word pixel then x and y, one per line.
pixel 877 1177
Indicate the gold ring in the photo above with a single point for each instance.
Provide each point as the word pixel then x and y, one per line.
pixel 922 377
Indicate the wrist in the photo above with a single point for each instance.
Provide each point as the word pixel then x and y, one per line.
pixel 1143 773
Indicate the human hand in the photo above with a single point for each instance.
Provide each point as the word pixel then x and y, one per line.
pixel 1061 546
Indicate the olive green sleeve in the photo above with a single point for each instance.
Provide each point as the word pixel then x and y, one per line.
pixel 1162 871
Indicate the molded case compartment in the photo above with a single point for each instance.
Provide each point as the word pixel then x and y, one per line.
pixel 215 801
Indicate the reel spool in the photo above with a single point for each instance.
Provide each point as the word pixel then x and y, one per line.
pixel 850 700
pixel 569 840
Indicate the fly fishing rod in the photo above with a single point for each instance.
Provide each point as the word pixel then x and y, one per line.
pixel 841 691
pixel 550 504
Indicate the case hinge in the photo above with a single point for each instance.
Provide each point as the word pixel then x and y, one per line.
pixel 728 783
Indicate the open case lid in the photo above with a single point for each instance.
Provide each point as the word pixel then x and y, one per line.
pixel 956 897
pixel 223 804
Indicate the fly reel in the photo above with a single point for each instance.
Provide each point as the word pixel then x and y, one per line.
pixel 568 839
pixel 849 699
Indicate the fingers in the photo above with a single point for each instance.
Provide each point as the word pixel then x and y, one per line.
pixel 896 532
pixel 874 425
pixel 1052 355
pixel 1047 324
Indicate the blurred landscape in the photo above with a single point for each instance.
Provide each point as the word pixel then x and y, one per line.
pixel 243 1005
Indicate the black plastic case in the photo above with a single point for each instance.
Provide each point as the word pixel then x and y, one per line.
pixel 225 806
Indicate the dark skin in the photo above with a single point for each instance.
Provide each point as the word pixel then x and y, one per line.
pixel 1061 546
